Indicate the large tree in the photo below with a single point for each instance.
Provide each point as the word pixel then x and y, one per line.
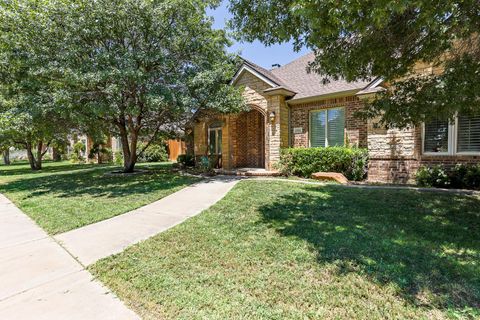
pixel 144 66
pixel 5 145
pixel 32 115
pixel 364 39
pixel 140 67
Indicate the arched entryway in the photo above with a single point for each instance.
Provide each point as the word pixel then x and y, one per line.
pixel 249 140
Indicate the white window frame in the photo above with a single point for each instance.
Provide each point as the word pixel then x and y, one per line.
pixel 455 144
pixel 451 139
pixel 452 143
pixel 326 125
pixel 218 147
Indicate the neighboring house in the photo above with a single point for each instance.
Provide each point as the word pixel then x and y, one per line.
pixel 293 108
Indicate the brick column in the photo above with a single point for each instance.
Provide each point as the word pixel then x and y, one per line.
pixel 277 130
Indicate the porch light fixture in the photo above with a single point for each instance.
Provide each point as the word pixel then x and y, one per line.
pixel 272 116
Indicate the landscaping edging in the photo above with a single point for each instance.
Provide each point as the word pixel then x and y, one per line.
pixel 364 186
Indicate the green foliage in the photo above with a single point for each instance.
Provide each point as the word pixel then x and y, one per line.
pixel 154 153
pixel 351 162
pixel 163 56
pixel 118 158
pixel 142 67
pixel 460 177
pixel 30 108
pixel 78 149
pixel 187 160
pixel 361 40
pixel 207 164
pixel 471 178
pixel 432 177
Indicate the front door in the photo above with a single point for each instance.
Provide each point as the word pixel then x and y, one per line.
pixel 215 145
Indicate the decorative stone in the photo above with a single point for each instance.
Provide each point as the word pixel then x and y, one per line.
pixel 330 176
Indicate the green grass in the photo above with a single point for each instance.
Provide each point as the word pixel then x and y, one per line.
pixel 65 196
pixel 279 250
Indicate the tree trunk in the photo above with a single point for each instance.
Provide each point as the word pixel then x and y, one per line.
pixel 6 156
pixel 129 150
pixel 35 163
pixel 99 155
pixel 31 157
pixel 38 164
pixel 56 156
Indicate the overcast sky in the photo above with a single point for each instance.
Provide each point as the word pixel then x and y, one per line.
pixel 257 52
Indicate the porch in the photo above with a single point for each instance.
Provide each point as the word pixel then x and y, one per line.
pixel 238 143
pixel 249 172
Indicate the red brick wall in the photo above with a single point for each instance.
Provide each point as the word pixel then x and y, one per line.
pixel 404 170
pixel 356 129
pixel 248 140
pixel 396 155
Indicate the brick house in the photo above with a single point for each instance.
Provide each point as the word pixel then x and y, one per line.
pixel 293 108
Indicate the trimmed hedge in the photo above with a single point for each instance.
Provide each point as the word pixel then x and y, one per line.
pixel 351 162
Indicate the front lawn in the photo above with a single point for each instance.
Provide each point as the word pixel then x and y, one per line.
pixel 65 196
pixel 279 250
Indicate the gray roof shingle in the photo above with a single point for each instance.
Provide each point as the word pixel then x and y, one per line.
pixel 266 73
pixel 295 76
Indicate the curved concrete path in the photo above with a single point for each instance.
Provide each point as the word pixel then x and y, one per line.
pixel 40 280
pixel 44 278
pixel 102 239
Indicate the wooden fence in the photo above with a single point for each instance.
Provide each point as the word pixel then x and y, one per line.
pixel 175 148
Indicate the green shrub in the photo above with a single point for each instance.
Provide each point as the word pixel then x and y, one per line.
pixel 118 158
pixel 351 162
pixel 465 177
pixel 79 147
pixel 186 160
pixel 76 156
pixel 460 177
pixel 206 164
pixel 472 178
pixel 435 176
pixel 154 153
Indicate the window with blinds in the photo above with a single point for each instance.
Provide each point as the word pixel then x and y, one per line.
pixel 436 136
pixel 327 128
pixel 468 134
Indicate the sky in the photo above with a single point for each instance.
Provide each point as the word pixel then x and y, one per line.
pixel 256 52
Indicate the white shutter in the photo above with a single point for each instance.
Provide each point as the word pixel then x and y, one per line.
pixel 468 134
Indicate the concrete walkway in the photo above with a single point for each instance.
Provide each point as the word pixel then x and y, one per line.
pixel 93 242
pixel 40 280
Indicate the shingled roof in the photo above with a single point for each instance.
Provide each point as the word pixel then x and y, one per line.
pixel 267 73
pixel 295 78
pixel 310 84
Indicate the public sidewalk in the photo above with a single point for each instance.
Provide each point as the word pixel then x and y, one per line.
pixel 40 280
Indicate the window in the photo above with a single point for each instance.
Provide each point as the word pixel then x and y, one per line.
pixel 444 138
pixel 436 137
pixel 468 129
pixel 327 128
pixel 215 139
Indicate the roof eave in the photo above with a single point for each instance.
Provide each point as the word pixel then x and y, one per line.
pixel 280 91
pixel 323 96
pixel 247 68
